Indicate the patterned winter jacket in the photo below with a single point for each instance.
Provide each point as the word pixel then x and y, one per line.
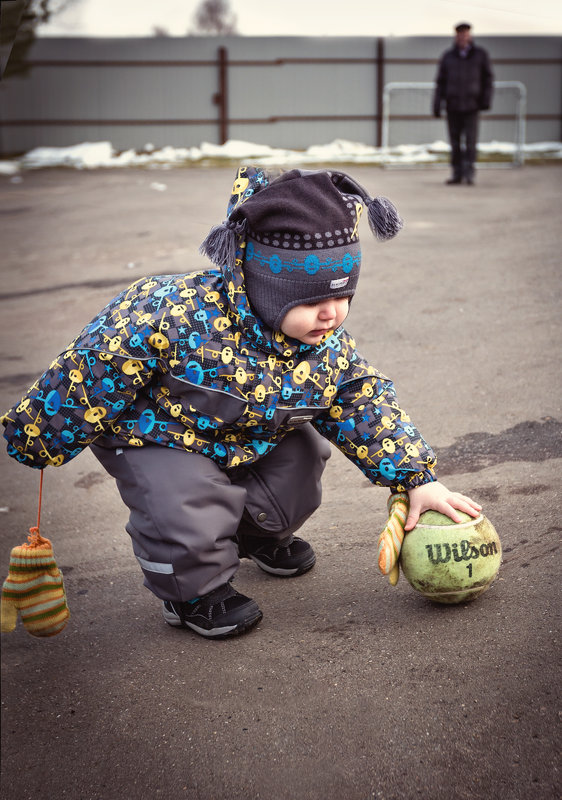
pixel 181 361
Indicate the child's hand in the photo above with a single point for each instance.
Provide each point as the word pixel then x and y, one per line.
pixel 436 497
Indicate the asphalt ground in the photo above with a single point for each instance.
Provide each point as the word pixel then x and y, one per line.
pixel 348 689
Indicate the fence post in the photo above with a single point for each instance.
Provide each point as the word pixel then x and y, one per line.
pixel 380 88
pixel 221 98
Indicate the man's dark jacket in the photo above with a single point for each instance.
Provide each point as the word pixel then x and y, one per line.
pixel 464 83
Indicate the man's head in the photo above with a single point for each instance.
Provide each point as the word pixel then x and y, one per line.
pixel 462 35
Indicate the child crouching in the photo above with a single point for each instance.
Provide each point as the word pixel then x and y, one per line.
pixel 212 398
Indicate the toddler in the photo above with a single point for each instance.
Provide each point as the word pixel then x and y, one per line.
pixel 212 397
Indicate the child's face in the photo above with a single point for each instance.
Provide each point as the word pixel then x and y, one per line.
pixel 309 323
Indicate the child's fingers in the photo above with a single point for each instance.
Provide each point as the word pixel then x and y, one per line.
pixel 438 497
pixel 449 511
pixel 452 506
pixel 466 504
pixel 412 520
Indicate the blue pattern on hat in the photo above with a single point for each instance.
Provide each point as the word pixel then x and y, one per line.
pixel 311 264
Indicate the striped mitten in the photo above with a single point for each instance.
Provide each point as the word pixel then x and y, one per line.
pixel 35 588
pixel 390 540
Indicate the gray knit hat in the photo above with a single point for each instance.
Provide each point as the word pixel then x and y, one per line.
pixel 299 236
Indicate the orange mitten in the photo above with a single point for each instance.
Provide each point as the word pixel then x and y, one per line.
pixel 390 540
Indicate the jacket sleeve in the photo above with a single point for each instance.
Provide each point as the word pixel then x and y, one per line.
pixel 366 423
pixel 91 384
pixel 78 398
pixel 439 91
pixel 486 83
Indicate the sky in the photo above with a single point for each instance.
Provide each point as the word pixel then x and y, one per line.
pixel 314 17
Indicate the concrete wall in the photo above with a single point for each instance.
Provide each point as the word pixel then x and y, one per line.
pixel 288 92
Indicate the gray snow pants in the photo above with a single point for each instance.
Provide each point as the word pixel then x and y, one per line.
pixel 185 511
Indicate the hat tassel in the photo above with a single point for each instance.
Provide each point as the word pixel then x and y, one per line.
pixel 384 219
pixel 221 242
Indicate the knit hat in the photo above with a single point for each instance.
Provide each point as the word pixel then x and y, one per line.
pixel 35 588
pixel 299 235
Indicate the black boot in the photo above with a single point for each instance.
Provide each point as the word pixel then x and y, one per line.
pixel 221 613
pixel 286 559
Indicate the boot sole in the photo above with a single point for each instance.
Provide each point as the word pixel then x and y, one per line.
pixel 223 632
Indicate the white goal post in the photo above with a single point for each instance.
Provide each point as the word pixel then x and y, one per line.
pixel 410 102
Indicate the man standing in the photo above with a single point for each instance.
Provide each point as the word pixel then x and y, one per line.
pixel 465 82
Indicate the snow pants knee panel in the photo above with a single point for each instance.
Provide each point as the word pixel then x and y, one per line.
pixel 284 488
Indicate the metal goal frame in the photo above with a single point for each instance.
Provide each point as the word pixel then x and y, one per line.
pixel 520 111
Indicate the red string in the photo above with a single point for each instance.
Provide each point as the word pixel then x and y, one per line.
pixel 40 498
pixel 35 539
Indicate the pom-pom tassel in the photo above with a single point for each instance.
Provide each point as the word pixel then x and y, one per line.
pixel 221 242
pixel 384 219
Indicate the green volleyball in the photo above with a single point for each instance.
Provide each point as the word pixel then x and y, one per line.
pixel 451 562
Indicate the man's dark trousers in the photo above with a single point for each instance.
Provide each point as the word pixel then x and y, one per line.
pixel 463 124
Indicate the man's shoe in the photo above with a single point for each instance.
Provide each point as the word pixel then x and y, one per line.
pixel 221 613
pixel 451 181
pixel 283 560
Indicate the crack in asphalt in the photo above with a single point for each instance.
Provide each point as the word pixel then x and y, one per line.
pixel 102 283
